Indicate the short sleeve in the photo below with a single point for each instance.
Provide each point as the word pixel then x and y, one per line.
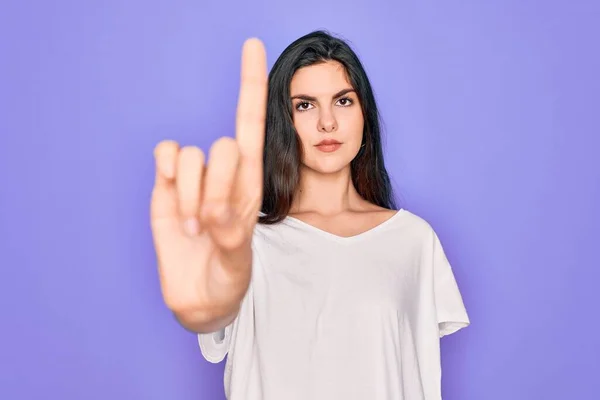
pixel 450 309
pixel 215 345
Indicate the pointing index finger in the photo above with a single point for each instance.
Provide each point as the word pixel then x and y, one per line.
pixel 252 101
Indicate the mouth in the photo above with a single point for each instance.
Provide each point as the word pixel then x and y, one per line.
pixel 328 145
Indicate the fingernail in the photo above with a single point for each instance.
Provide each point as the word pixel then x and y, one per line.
pixel 191 226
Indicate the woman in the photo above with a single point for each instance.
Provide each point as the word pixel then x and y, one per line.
pixel 293 260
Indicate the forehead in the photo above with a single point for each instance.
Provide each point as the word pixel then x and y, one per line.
pixel 320 79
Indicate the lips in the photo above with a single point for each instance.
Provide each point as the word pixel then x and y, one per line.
pixel 328 145
pixel 326 142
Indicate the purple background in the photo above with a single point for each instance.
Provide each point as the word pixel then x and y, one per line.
pixel 491 113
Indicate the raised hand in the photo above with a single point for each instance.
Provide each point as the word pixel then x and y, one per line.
pixel 203 212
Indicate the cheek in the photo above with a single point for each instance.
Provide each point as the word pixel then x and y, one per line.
pixel 352 122
pixel 304 127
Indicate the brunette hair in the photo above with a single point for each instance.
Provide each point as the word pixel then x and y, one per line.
pixel 283 150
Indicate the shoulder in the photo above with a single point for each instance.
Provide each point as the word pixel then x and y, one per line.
pixel 270 232
pixel 415 221
pixel 416 225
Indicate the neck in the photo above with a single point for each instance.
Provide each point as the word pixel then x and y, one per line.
pixel 325 194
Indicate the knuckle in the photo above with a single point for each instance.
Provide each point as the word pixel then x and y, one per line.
pixel 224 149
pixel 224 143
pixel 191 154
pixel 252 116
pixel 191 159
pixel 166 147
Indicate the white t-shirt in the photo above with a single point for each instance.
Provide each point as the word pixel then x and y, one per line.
pixel 327 317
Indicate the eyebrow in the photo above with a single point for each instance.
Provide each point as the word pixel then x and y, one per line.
pixel 312 98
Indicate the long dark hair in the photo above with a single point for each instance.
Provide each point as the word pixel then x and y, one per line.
pixel 283 150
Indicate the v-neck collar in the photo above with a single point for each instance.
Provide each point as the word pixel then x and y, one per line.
pixel 345 239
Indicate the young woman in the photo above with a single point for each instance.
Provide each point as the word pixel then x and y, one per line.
pixel 285 250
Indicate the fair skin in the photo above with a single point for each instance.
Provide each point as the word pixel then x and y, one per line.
pixel 326 197
pixel 203 210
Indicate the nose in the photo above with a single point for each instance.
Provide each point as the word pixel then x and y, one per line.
pixel 327 122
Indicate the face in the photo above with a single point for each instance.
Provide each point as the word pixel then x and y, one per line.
pixel 327 116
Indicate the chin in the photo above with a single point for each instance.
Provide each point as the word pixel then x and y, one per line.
pixel 329 165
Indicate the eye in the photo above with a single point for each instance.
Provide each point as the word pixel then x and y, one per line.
pixel 303 106
pixel 345 101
